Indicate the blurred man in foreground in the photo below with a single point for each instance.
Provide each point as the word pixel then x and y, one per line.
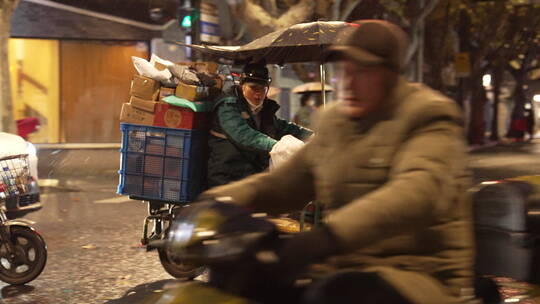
pixel 388 164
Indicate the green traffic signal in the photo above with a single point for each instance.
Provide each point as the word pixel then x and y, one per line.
pixel 186 21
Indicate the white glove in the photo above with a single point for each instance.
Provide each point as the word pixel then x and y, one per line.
pixel 284 149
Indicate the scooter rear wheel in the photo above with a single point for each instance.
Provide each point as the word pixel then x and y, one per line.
pixel 174 268
pixel 29 259
pixel 178 270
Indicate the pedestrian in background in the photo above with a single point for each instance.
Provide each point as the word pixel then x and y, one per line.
pixel 304 116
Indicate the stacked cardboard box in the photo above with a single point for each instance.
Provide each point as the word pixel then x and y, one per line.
pixel 146 106
pixel 161 167
pixel 144 94
pixel 200 93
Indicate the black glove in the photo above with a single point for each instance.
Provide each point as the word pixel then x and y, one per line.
pixel 301 250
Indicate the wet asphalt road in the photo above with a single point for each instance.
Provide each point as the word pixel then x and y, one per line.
pixel 93 237
pixel 93 249
pixel 506 161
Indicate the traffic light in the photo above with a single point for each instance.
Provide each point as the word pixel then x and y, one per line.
pixel 188 16
pixel 186 21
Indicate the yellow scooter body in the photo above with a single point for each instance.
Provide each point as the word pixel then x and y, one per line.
pixel 195 293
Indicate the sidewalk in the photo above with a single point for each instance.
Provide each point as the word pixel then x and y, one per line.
pixel 104 162
pixel 55 162
pixel 503 143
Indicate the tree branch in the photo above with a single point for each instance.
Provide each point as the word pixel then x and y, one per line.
pixel 335 9
pixel 296 14
pixel 350 8
pixel 500 14
pixel 426 10
pixel 261 22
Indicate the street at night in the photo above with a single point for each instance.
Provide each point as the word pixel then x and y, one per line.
pixel 288 151
pixel 92 234
pixel 94 253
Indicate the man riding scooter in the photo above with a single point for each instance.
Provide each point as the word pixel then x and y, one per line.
pixel 388 164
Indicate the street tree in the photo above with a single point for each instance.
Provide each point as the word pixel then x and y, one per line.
pixel 518 54
pixel 495 33
pixel 7 7
pixel 475 29
pixel 480 26
pixel 492 33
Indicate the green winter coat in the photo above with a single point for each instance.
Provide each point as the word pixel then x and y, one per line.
pixel 237 146
pixel 395 188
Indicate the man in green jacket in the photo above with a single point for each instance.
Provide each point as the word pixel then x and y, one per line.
pixel 245 128
pixel 388 163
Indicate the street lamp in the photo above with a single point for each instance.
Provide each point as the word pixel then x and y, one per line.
pixel 486 80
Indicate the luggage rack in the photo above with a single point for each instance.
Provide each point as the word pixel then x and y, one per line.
pixel 161 213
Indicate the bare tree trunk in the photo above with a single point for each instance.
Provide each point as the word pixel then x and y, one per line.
pixel 518 113
pixel 6 104
pixel 497 82
pixel 478 100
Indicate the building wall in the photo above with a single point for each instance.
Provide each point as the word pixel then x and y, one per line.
pixel 95 81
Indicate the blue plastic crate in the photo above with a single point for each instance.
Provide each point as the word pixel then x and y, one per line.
pixel 162 163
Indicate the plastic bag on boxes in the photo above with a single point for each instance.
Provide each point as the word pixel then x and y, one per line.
pixel 184 74
pixel 156 59
pixel 146 69
pixel 284 149
pixel 206 79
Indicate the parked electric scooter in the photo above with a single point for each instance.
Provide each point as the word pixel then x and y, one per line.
pixel 23 252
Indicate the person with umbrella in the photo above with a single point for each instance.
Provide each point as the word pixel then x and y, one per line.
pixel 310 102
pixel 388 164
pixel 245 128
pixel 303 116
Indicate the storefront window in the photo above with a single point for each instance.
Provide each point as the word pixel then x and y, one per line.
pixel 75 89
pixel 34 72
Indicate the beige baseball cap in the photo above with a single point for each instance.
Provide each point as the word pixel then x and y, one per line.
pixel 371 42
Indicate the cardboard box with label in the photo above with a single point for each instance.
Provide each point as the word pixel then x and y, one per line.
pixel 144 88
pixel 133 115
pixel 164 92
pixel 170 116
pixel 142 104
pixel 192 92
pixel 202 67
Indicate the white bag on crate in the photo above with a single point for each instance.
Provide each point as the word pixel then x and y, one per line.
pixel 146 69
pixel 156 59
pixel 284 149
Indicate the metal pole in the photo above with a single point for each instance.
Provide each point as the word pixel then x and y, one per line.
pixel 323 81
